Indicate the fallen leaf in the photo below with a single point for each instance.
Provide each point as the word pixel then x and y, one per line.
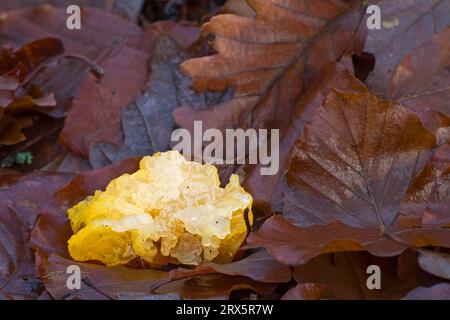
pixel 435 263
pixel 102 34
pixel 258 266
pixel 107 98
pixel 98 282
pixel 345 276
pixel 268 60
pixel 347 176
pixel 305 291
pixel 21 200
pixel 238 7
pixel 122 46
pixel 439 291
pixel 406 25
pixel 427 201
pixel 292 245
pixel 422 79
pixel 16 69
pixel 102 124
pixel 129 9
pixel 147 122
pixel 213 286
pixel 87 182
pixel 267 190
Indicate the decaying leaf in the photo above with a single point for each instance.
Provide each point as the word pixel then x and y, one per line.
pixel 21 200
pixel 362 181
pixel 421 81
pixel 268 60
pixel 347 176
pixel 435 263
pixel 267 190
pixel 439 291
pixel 85 184
pixel 427 201
pixel 147 122
pixel 305 291
pixel 259 266
pixel 170 207
pixel 99 282
pixel 16 69
pixel 406 25
pixel 214 286
pixel 345 276
pixel 121 47
pixel 103 34
pixel 129 9
pixel 130 61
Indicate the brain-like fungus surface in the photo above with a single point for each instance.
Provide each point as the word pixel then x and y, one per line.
pixel 169 210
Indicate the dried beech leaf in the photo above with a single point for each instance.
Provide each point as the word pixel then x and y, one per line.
pixel 131 62
pixel 344 276
pixel 259 266
pixel 427 201
pixel 421 81
pixel 103 33
pixel 435 263
pixel 305 291
pixel 130 9
pixel 213 286
pixel 439 291
pixel 16 68
pixel 21 200
pixel 406 25
pixel 98 282
pixel 147 122
pixel 238 7
pixel 347 176
pixel 267 190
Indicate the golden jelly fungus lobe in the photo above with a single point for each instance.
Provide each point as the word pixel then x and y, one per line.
pixel 169 210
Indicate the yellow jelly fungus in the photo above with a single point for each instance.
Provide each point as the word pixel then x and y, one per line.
pixel 170 207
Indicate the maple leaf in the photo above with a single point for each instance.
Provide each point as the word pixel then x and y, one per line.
pixel 346 178
pixel 268 60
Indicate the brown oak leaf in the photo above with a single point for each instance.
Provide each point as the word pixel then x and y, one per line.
pixel 268 60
